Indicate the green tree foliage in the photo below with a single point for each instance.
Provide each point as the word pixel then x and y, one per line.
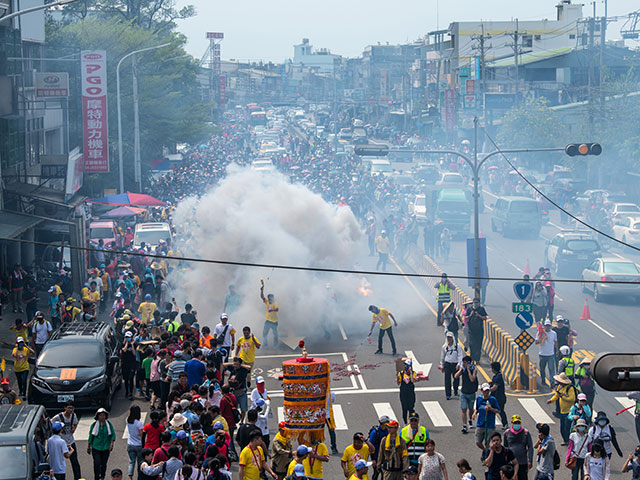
pixel 171 110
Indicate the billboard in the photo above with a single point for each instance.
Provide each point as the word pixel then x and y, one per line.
pixel 95 145
pixel 52 85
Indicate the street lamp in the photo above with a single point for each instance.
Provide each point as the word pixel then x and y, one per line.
pixel 120 162
pixel 32 9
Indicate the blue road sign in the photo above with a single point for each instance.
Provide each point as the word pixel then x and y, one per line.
pixel 522 290
pixel 524 320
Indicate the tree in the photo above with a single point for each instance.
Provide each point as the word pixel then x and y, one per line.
pixel 171 111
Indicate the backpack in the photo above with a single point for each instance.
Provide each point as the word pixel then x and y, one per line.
pixel 556 460
pixel 199 440
pixel 67 317
pixel 586 383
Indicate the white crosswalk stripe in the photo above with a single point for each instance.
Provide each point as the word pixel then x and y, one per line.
pixel 436 414
pixel 338 414
pixel 425 368
pixel 82 432
pixel 627 402
pixel 143 417
pixel 385 408
pixel 536 412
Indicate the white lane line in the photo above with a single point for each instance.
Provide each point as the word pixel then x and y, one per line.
pixel 436 414
pixel 345 358
pixel 627 402
pixel 82 431
pixel 516 267
pixel 342 332
pixel 384 408
pixel 125 435
pixel 359 375
pixel 338 418
pixel 489 193
pixel 600 328
pixel 535 411
pixel 281 414
pixel 425 368
pixel 554 225
pixel 357 391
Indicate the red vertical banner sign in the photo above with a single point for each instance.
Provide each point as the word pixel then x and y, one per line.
pixel 95 145
pixel 449 109
pixel 222 87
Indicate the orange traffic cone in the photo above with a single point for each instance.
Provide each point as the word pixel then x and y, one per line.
pixel 527 269
pixel 586 314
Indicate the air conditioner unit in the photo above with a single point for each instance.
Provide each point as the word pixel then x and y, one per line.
pixel 4 8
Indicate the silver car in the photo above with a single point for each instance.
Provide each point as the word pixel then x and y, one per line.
pixel 611 269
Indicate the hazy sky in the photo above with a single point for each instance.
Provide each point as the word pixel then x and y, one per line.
pixel 268 29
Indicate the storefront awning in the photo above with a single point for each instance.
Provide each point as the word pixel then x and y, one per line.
pixel 13 224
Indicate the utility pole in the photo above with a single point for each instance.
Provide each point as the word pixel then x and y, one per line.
pixel 603 45
pixel 482 49
pixel 591 70
pixel 516 52
pixel 136 128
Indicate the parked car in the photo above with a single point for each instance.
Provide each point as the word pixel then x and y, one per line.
pixel 571 251
pixel 611 269
pixel 23 435
pixel 80 362
pixel 628 230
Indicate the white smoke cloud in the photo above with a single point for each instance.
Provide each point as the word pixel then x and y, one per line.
pixel 255 217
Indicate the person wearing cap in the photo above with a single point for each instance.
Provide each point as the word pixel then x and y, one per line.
pixel 411 473
pixel 302 454
pixel 225 332
pixel 547 342
pixel 41 330
pixel 146 309
pixel 604 432
pixel 406 379
pixel 260 392
pixel 281 452
pixel 58 451
pixel 469 375
pixel 443 295
pixel 20 356
pixel 586 384
pixel 475 317
pixel 263 407
pixel 92 296
pixel 69 421
pixel 377 434
pixel 298 473
pixel 393 455
pixel 253 460
pixel 486 407
pixel 216 416
pixel 545 448
pixel 383 318
pixel 361 472
pixel 383 245
pixel 102 436
pixel 359 450
pixel 566 364
pixel 128 364
pixel 8 396
pixel 71 312
pixel 566 394
pixel 632 463
pixel 450 360
pixel 580 410
pixel 564 333
pixel 518 440
pixel 578 448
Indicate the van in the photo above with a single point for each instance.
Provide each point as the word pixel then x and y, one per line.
pixel 516 214
pixel 151 234
pixel 105 230
pixel 24 430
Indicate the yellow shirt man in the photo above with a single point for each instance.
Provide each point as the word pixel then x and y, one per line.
pixel 382 244
pixel 382 318
pixel 271 314
pixel 313 467
pixel 91 296
pixel 351 456
pixel 146 310
pixel 21 359
pixel 252 461
pixel 247 349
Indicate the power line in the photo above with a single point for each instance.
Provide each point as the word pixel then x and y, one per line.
pixel 298 267
pixel 590 227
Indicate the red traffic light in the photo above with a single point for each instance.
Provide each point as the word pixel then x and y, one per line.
pixel 581 149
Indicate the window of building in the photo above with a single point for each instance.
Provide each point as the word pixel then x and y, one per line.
pixel 527 41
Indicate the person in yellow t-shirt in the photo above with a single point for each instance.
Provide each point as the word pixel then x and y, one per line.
pixel 146 309
pixel 270 317
pixel 246 347
pixel 314 463
pixel 362 470
pixel 20 356
pixel 358 450
pixel 302 454
pixel 252 460
pixel 383 317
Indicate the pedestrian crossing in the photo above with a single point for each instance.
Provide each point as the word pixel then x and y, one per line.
pixel 432 413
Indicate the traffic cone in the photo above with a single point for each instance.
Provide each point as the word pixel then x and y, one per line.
pixel 527 269
pixel 586 314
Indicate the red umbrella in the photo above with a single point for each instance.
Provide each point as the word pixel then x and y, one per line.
pixel 136 199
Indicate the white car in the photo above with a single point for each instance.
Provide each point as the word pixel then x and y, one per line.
pixel 419 207
pixel 451 178
pixel 263 165
pixel 150 234
pixel 621 210
pixel 382 166
pixel 611 269
pixel 628 230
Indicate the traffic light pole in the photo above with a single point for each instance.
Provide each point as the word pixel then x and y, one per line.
pixel 475 166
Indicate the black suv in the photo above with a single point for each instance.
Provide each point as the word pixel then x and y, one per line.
pixel 80 362
pixel 571 250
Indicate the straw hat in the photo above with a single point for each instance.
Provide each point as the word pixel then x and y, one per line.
pixel 178 420
pixel 562 378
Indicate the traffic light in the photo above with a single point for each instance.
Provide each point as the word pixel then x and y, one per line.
pixel 617 372
pixel 372 150
pixel 582 149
